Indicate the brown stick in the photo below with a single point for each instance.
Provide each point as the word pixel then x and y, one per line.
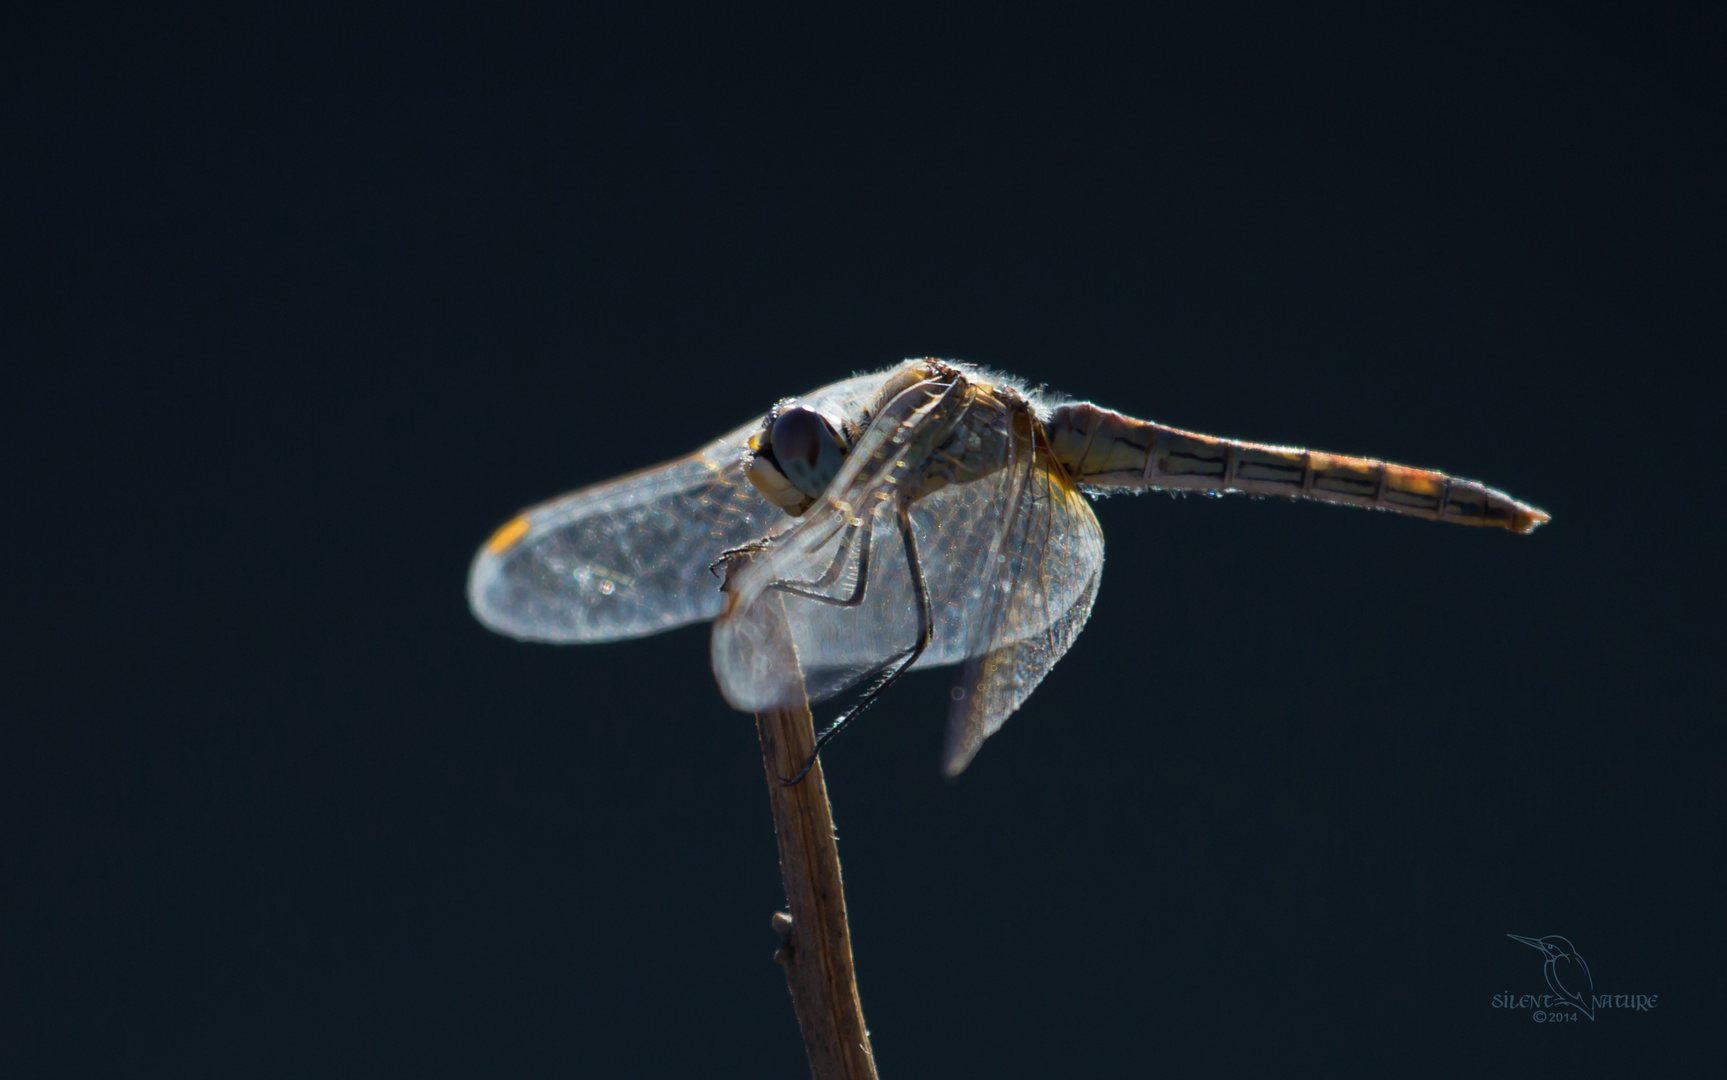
pixel 816 948
pixel 815 945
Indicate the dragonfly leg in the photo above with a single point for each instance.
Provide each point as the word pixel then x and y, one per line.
pixel 729 554
pixel 891 671
pixel 809 590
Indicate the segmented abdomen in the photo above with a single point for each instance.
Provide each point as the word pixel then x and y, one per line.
pixel 1102 448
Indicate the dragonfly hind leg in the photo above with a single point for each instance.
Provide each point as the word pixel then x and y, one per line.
pixel 888 673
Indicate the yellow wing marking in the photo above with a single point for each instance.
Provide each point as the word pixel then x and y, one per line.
pixel 505 538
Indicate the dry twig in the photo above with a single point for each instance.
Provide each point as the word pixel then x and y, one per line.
pixel 815 948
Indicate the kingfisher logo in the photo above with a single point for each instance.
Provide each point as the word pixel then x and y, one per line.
pixel 1571 988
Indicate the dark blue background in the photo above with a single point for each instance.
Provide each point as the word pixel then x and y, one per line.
pixel 295 308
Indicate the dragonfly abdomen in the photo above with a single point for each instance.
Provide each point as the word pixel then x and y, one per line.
pixel 1101 448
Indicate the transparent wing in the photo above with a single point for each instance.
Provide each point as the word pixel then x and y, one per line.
pixel 624 558
pixel 1046 572
pixel 630 556
pixel 968 537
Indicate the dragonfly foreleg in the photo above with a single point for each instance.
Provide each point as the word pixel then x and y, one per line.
pixel 889 672
pixel 729 554
pixel 811 590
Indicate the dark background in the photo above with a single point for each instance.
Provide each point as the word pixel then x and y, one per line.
pixel 294 309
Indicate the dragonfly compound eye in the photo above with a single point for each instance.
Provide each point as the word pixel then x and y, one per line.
pixel 806 449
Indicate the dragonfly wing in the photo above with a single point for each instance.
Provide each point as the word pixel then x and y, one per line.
pixel 1044 576
pixel 624 558
pixel 630 556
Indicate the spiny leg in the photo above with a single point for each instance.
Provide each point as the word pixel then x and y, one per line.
pixel 756 547
pixel 726 556
pixel 806 589
pixel 925 634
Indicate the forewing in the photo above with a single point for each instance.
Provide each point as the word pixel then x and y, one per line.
pixel 624 558
pixel 1045 568
pixel 631 556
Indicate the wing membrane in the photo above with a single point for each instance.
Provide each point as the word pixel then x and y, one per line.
pixel 1045 573
pixel 624 558
pixel 630 556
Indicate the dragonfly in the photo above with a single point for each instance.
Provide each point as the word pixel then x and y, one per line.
pixel 932 514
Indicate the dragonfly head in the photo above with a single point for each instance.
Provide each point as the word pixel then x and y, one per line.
pixel 795 457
